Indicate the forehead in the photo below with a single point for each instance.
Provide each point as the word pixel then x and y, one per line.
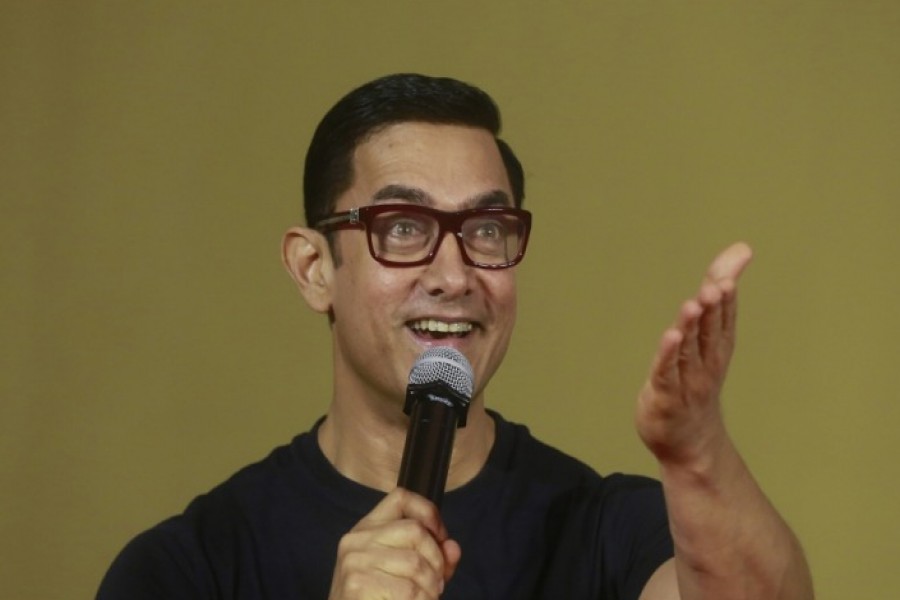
pixel 451 164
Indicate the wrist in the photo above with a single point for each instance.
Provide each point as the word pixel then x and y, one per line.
pixel 706 462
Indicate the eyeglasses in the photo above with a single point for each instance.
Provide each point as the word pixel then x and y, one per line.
pixel 406 235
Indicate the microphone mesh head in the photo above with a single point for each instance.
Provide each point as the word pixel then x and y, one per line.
pixel 447 365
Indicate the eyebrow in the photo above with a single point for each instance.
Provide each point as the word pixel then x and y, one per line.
pixel 403 192
pixel 416 195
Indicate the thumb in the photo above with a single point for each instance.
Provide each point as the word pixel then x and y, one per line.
pixel 452 555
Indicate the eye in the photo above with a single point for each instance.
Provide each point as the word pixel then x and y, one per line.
pixel 490 230
pixel 405 228
pixel 401 232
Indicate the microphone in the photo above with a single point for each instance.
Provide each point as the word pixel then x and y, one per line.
pixel 437 401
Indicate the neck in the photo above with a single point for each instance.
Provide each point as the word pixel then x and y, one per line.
pixel 367 446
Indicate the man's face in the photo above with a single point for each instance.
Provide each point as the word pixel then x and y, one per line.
pixel 385 317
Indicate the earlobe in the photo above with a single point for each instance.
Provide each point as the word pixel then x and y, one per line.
pixel 307 258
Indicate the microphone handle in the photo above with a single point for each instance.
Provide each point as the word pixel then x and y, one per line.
pixel 429 444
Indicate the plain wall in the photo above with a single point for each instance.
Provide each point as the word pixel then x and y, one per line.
pixel 151 157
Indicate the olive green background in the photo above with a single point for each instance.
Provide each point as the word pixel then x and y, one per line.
pixel 151 157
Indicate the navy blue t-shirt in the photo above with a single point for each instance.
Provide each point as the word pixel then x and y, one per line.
pixel 534 524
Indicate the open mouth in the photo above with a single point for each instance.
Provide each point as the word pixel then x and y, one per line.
pixel 434 329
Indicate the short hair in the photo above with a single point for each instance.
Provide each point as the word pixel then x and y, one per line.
pixel 398 98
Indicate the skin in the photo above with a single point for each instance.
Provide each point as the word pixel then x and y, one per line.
pixel 730 542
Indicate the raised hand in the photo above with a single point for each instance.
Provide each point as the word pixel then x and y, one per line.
pixel 678 414
pixel 399 550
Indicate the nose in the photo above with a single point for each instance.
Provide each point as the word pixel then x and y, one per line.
pixel 447 275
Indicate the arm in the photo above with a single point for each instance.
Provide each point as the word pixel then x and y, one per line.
pixel 399 550
pixel 729 540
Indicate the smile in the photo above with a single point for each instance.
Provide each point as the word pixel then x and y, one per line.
pixel 434 328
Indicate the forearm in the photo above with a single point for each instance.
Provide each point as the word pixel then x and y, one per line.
pixel 730 542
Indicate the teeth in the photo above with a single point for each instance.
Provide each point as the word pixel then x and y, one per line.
pixel 441 326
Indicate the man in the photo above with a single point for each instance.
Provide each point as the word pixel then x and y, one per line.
pixel 416 226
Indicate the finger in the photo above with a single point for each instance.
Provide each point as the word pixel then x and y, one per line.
pixel 403 504
pixel 710 323
pixel 411 535
pixel 424 512
pixel 664 374
pixel 689 324
pixel 729 308
pixel 452 555
pixel 729 264
pixel 363 581
pixel 409 565
pixel 400 548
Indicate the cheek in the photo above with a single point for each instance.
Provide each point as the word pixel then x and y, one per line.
pixel 367 290
pixel 505 297
pixel 508 305
pixel 504 300
pixel 509 321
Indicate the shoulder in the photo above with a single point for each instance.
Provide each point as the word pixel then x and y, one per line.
pixel 526 462
pixel 606 532
pixel 518 450
pixel 159 563
pixel 183 556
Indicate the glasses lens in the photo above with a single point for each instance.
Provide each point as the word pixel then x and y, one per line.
pixel 402 236
pixel 493 239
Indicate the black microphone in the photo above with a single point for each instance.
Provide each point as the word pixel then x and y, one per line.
pixel 437 401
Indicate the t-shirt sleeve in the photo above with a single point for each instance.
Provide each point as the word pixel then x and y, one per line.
pixel 635 534
pixel 155 565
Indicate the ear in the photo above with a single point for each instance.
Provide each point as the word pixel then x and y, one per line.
pixel 307 258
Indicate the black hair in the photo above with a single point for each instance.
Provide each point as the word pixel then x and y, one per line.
pixel 392 99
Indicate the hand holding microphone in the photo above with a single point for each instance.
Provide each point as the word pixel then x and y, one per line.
pixel 381 554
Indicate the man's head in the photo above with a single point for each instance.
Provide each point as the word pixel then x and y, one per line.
pixel 427 150
pixel 393 99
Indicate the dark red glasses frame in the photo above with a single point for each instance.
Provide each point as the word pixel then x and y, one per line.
pixel 361 218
